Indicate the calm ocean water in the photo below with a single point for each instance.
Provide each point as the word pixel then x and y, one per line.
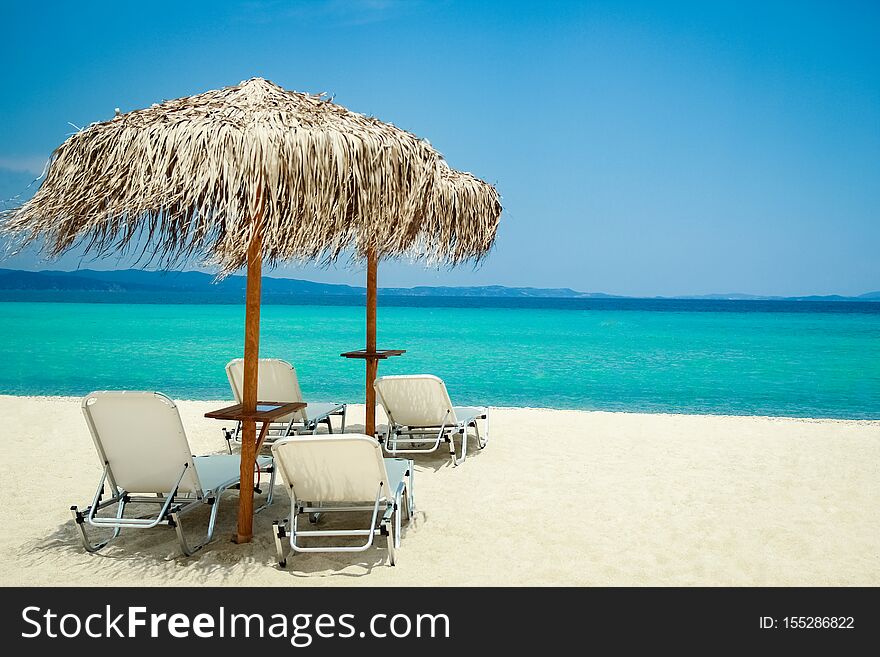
pixel 769 358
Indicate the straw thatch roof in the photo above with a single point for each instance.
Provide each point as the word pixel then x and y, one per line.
pixel 193 176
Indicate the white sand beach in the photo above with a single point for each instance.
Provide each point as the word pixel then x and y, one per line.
pixel 557 498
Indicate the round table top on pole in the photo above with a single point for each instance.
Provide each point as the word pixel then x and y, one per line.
pixel 379 354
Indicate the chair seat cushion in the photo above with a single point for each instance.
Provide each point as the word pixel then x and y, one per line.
pixel 396 469
pixel 468 413
pixel 320 410
pixel 220 471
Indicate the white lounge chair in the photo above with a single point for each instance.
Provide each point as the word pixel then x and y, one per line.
pixel 147 460
pixel 277 382
pixel 419 411
pixel 329 474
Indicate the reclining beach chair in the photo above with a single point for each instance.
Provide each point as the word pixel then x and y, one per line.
pixel 147 460
pixel 277 382
pixel 344 474
pixel 420 412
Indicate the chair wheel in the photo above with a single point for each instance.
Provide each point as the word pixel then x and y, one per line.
pixel 314 518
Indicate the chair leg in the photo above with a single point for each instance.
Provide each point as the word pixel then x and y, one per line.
pixel 411 504
pixel 212 522
pixel 271 494
pixel 279 530
pixel 388 434
pixel 178 528
pixel 482 439
pixel 80 521
pixel 388 530
pixel 397 522
pixel 229 435
pixel 403 505
pixel 464 439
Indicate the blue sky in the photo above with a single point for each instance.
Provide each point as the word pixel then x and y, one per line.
pixel 640 148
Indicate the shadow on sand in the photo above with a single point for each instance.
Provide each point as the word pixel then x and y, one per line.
pixel 146 554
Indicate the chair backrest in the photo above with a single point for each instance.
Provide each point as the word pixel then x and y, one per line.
pixel 346 468
pixel 142 438
pixel 415 400
pixel 276 381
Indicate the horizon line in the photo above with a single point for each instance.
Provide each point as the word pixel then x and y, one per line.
pixel 720 296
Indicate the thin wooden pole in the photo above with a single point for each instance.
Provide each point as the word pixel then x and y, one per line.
pixel 372 363
pixel 249 394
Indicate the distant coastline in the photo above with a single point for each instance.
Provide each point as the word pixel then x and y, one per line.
pixel 141 286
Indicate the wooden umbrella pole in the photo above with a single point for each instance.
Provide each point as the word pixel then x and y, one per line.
pixel 249 394
pixel 372 363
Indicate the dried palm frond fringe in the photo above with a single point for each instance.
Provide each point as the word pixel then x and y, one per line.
pixel 194 177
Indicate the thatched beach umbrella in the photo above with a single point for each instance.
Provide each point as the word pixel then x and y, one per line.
pixel 255 174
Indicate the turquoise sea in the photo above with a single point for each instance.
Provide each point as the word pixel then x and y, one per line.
pixel 767 358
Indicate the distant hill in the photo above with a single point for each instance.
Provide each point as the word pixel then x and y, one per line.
pixel 11 279
pixel 204 285
pixel 492 291
pixel 192 286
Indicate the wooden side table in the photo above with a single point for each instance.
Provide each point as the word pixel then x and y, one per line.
pixel 266 413
pixel 372 358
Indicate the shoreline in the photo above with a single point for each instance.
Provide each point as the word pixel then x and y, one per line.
pixel 550 409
